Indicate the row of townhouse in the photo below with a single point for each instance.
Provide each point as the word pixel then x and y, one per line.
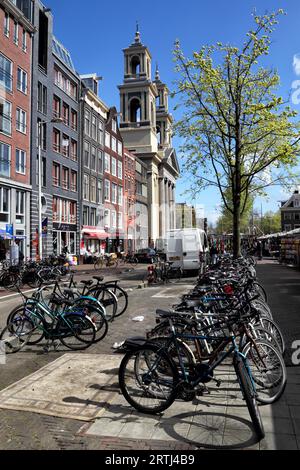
pixel 93 191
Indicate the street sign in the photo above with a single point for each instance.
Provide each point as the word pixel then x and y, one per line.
pixel 9 229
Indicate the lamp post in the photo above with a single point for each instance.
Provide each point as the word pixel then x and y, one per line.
pixel 40 123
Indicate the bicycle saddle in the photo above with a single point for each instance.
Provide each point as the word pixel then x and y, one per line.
pixel 70 292
pixel 59 301
pixel 87 283
pixel 98 278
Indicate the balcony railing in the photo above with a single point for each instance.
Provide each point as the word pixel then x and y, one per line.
pixel 73 187
pixel 74 157
pixel 65 151
pixel 55 181
pixel 5 123
pixel 65 184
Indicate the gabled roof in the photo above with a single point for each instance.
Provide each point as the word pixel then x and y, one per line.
pixel 290 202
pixel 170 159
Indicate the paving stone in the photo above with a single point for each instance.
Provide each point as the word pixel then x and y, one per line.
pixel 240 439
pixel 278 442
pixel 137 430
pixel 278 409
pixel 171 431
pixel 106 427
pixel 296 423
pixel 278 425
pixel 295 411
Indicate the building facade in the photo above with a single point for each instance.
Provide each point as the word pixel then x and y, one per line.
pixel 146 130
pixel 129 201
pixel 290 213
pixel 141 205
pixel 113 185
pixel 185 216
pixel 16 33
pixel 94 115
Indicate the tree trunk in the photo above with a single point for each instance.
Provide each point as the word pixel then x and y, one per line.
pixel 236 229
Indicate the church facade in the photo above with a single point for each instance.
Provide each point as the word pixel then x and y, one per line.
pixel 146 128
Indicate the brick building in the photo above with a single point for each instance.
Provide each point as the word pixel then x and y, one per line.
pixel 94 115
pixel 129 200
pixel 16 31
pixel 113 184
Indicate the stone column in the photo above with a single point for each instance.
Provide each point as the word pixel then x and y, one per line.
pixel 162 209
pixel 167 205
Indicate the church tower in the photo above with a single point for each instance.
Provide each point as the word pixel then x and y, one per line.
pixel 145 126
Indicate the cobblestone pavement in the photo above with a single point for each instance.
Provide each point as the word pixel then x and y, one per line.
pixel 215 420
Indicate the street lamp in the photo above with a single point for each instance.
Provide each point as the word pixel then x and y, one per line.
pixel 40 123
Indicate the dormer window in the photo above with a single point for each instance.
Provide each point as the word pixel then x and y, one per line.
pixel 296 203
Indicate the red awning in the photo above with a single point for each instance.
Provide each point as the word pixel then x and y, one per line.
pixel 98 234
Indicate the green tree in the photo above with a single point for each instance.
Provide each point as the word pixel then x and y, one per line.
pixel 238 134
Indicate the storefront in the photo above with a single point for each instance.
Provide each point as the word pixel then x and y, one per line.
pixel 64 236
pixel 93 240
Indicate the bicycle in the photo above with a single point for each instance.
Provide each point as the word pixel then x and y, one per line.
pixel 147 372
pixel 109 260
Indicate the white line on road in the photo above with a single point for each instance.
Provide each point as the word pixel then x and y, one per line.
pixel 171 292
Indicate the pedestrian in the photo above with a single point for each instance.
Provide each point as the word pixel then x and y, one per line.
pixel 214 253
pixel 259 249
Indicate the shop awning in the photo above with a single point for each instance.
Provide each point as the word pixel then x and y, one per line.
pixel 5 235
pixel 96 234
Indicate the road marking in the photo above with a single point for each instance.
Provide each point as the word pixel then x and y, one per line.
pixel 171 292
pixel 4 297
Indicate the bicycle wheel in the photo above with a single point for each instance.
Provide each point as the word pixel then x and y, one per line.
pixel 77 331
pixel 260 290
pixel 20 313
pixel 122 298
pixel 148 379
pixel 274 329
pixel 98 263
pixel 174 275
pixel 268 370
pixel 248 392
pixel 134 261
pixel 107 299
pixel 96 316
pixel 9 280
pixel 16 335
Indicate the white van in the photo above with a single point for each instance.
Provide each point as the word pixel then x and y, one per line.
pixel 186 248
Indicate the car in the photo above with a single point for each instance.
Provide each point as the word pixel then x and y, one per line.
pixel 146 255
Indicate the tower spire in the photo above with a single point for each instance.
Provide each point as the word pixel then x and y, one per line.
pixel 137 38
pixel 157 72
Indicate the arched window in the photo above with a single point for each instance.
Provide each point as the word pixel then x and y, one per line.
pixel 135 65
pixel 135 110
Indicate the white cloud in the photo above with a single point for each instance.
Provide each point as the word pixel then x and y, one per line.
pixel 296 64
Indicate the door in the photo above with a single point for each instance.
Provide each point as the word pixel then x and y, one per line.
pixel 175 252
pixel 191 248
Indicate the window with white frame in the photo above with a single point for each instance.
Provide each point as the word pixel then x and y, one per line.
pixel 20 207
pixel 94 159
pixel 100 132
pixel 6 24
pixel 5 116
pixel 24 41
pixel 107 190
pixel 86 154
pixel 100 161
pixel 120 148
pixel 107 163
pixel 5 157
pixel 99 192
pixel 87 122
pixel 114 125
pixel 4 204
pixel 20 161
pixel 120 170
pixel 114 144
pixel 86 188
pixel 296 202
pixel 113 219
pixel 113 166
pixel 6 78
pixel 22 80
pixel 107 139
pixel 114 193
pixel 120 195
pixel 93 190
pixel 16 32
pixel 21 120
pixel 107 217
pixel 120 220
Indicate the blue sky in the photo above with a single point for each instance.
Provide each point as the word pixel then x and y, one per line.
pixel 96 31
